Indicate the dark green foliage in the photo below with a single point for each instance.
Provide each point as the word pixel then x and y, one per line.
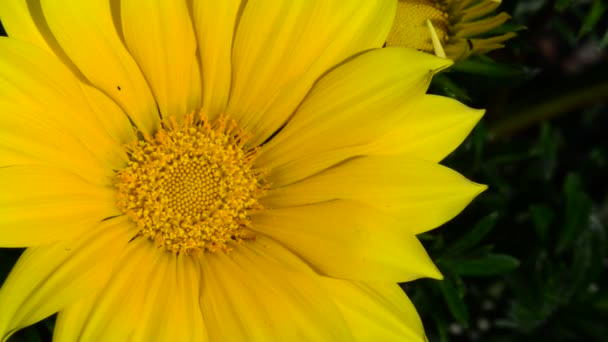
pixel 533 268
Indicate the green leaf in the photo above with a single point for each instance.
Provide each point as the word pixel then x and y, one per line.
pixel 561 5
pixel 588 257
pixel 604 41
pixel 453 299
pixel 596 11
pixel 542 216
pixel 487 67
pixel 471 239
pixel 600 301
pixel 491 264
pixel 445 86
pixel 548 146
pixel 578 210
pixel 442 329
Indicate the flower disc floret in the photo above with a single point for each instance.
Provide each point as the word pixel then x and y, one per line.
pixel 191 187
pixel 410 29
pixel 449 28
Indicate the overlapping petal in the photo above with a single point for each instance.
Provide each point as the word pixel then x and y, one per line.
pixel 347 109
pixel 215 23
pixel 47 118
pixel 430 131
pixel 376 311
pixel 150 296
pixel 160 37
pixel 21 23
pixel 87 32
pixel 422 193
pixel 110 115
pixel 261 292
pixel 40 205
pixel 48 278
pixel 23 20
pixel 346 239
pixel 281 48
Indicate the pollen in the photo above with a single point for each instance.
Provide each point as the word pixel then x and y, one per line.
pixel 191 187
pixel 410 26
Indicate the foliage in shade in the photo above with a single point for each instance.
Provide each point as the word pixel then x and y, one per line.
pixel 534 269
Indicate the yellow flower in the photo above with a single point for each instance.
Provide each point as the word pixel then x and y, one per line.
pixel 452 28
pixel 219 171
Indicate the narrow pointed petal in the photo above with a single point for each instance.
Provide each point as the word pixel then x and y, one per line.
pixel 48 278
pixel 215 22
pixel 160 37
pixel 86 31
pixel 71 319
pixel 431 131
pixel 19 22
pixel 342 111
pixel 23 20
pixel 41 205
pixel 376 311
pixel 152 295
pixel 196 87
pixel 115 312
pixel 50 120
pixel 282 47
pixel 346 239
pixel 111 116
pixel 471 29
pixel 479 10
pixel 175 314
pixel 249 296
pixel 423 194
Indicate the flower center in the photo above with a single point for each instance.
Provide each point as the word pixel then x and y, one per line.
pixel 191 187
pixel 410 28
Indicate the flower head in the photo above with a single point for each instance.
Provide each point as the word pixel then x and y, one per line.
pixel 218 170
pixel 452 28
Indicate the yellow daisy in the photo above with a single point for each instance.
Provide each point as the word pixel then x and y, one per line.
pixel 219 171
pixel 452 28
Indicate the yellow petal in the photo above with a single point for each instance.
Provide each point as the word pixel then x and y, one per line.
pixel 40 205
pixel 346 239
pixel 353 105
pixel 246 296
pixel 46 117
pixel 20 23
pixel 431 131
pixel 376 311
pixel 152 296
pixel 24 20
pixel 423 194
pixel 485 45
pixel 471 29
pixel 215 22
pixel 196 87
pixel 117 310
pixel 479 10
pixel 173 312
pixel 47 279
pixel 111 116
pixel 160 36
pixel 282 47
pixel 87 33
pixel 70 320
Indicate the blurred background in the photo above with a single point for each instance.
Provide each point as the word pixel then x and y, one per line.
pixel 527 260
